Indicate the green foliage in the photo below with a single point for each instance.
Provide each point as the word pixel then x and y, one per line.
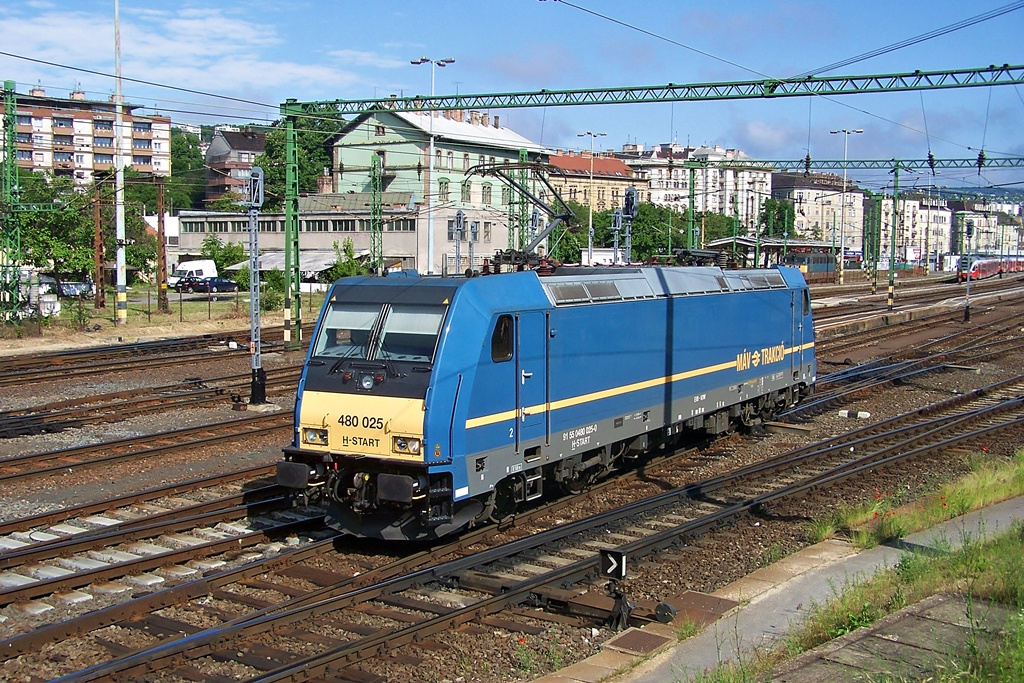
pixel 226 203
pixel 274 280
pixel 314 136
pixel 223 255
pixel 346 264
pixel 777 217
pixel 271 300
pixel 59 240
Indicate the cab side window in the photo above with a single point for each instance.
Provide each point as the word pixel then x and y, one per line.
pixel 807 302
pixel 501 340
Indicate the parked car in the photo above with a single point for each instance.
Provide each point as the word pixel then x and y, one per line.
pixel 208 284
pixel 187 284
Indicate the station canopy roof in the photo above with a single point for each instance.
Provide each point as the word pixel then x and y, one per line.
pixel 748 242
pixel 310 260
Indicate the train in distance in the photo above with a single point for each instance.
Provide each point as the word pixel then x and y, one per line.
pixel 986 267
pixel 428 405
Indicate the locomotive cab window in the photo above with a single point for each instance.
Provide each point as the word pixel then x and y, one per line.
pixel 807 301
pixel 410 333
pixel 346 330
pixel 501 340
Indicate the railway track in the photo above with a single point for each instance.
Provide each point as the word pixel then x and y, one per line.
pixel 347 621
pixel 116 406
pixel 34 465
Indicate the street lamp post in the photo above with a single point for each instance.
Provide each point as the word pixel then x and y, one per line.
pixel 430 175
pixel 590 199
pixel 842 223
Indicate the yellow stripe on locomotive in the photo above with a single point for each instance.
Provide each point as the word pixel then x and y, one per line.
pixel 363 425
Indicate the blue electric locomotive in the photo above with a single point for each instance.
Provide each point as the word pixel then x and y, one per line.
pixel 427 405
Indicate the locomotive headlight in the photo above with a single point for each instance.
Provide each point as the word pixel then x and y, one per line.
pixel 315 436
pixel 403 444
pixel 366 382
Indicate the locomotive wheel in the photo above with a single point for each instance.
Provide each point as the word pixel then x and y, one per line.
pixel 504 502
pixel 579 483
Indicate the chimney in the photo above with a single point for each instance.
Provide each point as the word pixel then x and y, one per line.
pixel 77 94
pixel 325 182
pixel 37 91
pixel 485 120
pixel 496 121
pixel 474 117
pixel 460 115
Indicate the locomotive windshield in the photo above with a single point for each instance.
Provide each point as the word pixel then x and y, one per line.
pixel 398 332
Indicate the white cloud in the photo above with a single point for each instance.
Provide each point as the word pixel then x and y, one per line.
pixel 361 58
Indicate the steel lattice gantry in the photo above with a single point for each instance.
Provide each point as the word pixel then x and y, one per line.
pixel 292 110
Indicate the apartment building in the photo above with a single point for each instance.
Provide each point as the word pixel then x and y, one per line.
pixel 724 181
pixel 75 137
pixel 229 160
pixel 818 202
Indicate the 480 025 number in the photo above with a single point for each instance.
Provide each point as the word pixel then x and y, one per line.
pixel 364 422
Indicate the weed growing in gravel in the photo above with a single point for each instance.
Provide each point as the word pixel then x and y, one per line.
pixel 772 554
pixel 687 628
pixel 524 658
pixel 817 530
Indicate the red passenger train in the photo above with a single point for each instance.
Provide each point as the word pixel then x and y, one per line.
pixel 989 267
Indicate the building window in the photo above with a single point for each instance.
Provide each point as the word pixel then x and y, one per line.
pixel 63 123
pixel 62 156
pixel 487 231
pixel 492 161
pixel 63 140
pixel 437 156
pixel 467 188
pixel 141 160
pixel 442 190
pixel 24 155
pixel 506 195
pixel 142 144
pixel 24 120
pixel 158 146
pixel 486 199
pixel 172 240
pixel 401 225
pixel 316 225
pixel 451 231
pixel 465 161
pixel 343 225
pixel 103 142
pixel 451 160
pixel 268 226
pixel 481 159
pixel 193 226
pixel 79 159
pixel 365 225
pixel 103 158
pixel 218 226
pixel 239 226
pixel 24 137
pixel 103 125
pixel 141 126
pixel 378 130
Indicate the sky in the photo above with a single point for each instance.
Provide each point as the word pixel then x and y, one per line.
pixel 262 53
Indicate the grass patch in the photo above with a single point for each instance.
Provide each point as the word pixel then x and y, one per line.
pixel 979 571
pixel 884 518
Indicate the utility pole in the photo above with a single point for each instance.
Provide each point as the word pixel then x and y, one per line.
pixel 892 238
pixel 161 251
pixel 100 296
pixel 121 313
pixel 292 303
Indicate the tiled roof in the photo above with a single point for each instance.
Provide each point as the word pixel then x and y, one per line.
pixel 245 141
pixel 604 167
pixel 475 134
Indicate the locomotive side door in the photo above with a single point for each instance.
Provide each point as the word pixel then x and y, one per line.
pixel 531 377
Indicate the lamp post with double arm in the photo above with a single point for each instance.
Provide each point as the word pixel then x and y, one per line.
pixel 430 163
pixel 842 221
pixel 590 198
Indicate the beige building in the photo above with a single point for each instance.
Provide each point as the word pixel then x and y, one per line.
pixel 818 201
pixel 75 138
pixel 611 177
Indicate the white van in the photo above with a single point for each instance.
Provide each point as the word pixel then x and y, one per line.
pixel 202 268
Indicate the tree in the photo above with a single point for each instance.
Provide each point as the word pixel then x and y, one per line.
pixel 777 216
pixel 314 136
pixel 223 255
pixel 188 170
pixel 59 240
pixel 345 264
